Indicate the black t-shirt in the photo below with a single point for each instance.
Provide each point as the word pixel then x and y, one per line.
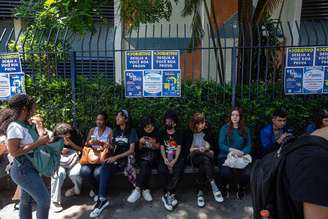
pixel 173 140
pixel 122 140
pixel 306 178
pixel 148 153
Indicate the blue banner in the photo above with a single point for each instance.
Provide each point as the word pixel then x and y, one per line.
pixel 300 57
pixel 10 63
pixel 325 84
pixel 153 73
pixel 306 70
pixel 133 83
pixel 294 80
pixel 138 60
pixel 321 56
pixel 172 83
pixel 168 60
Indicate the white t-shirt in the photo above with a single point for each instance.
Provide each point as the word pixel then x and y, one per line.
pixel 16 131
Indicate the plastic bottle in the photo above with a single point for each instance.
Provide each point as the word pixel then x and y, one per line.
pixel 265 214
pixel 170 155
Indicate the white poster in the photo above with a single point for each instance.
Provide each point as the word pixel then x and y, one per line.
pixel 152 83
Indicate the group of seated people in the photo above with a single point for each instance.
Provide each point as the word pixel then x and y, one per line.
pixel 169 151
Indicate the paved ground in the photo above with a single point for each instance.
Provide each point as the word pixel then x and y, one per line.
pixel 80 206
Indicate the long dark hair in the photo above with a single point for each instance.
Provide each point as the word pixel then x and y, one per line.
pixel 16 105
pixel 241 125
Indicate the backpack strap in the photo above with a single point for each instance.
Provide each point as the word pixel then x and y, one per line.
pixel 31 129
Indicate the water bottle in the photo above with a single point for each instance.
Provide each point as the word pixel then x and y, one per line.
pixel 265 214
pixel 170 155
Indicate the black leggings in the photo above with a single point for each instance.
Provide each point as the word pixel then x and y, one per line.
pixel 168 181
pixel 206 170
pixel 234 176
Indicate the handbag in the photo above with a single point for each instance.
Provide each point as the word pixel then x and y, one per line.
pixel 93 156
pixel 69 160
pixel 237 162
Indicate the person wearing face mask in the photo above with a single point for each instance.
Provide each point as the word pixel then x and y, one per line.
pixel 147 158
pixel 174 155
pixel 234 138
pixel 201 156
pixel 20 144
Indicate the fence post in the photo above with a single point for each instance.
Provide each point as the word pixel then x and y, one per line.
pixel 233 75
pixel 73 87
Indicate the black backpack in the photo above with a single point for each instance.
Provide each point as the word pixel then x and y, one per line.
pixel 268 192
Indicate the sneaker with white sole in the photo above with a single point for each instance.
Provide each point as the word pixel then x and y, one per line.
pixel 174 201
pixel 218 196
pixel 167 202
pixel 56 207
pixel 100 206
pixel 200 199
pixel 134 196
pixel 146 195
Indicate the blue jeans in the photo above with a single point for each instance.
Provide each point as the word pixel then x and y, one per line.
pixel 91 173
pixel 106 170
pixel 33 188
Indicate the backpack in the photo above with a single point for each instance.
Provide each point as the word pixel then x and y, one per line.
pixel 267 185
pixel 46 158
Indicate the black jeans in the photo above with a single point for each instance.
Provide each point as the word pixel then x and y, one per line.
pixel 234 176
pixel 206 170
pixel 143 178
pixel 171 180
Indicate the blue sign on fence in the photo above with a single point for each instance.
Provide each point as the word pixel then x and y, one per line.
pixel 321 56
pixel 306 70
pixel 153 74
pixel 166 60
pixel 10 62
pixel 133 83
pixel 12 79
pixel 172 83
pixel 138 60
pixel 300 57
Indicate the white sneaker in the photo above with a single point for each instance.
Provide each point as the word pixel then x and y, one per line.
pixel 146 195
pixel 174 201
pixel 56 207
pixel 218 196
pixel 71 192
pixel 134 196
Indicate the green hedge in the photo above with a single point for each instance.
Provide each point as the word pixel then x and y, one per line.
pixel 97 95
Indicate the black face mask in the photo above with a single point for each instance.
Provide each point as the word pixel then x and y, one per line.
pixel 168 126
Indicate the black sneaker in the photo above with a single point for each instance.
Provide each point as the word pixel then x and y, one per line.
pixel 166 199
pixel 225 190
pixel 241 193
pixel 100 206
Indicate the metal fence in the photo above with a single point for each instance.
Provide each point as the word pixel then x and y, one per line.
pixel 245 60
